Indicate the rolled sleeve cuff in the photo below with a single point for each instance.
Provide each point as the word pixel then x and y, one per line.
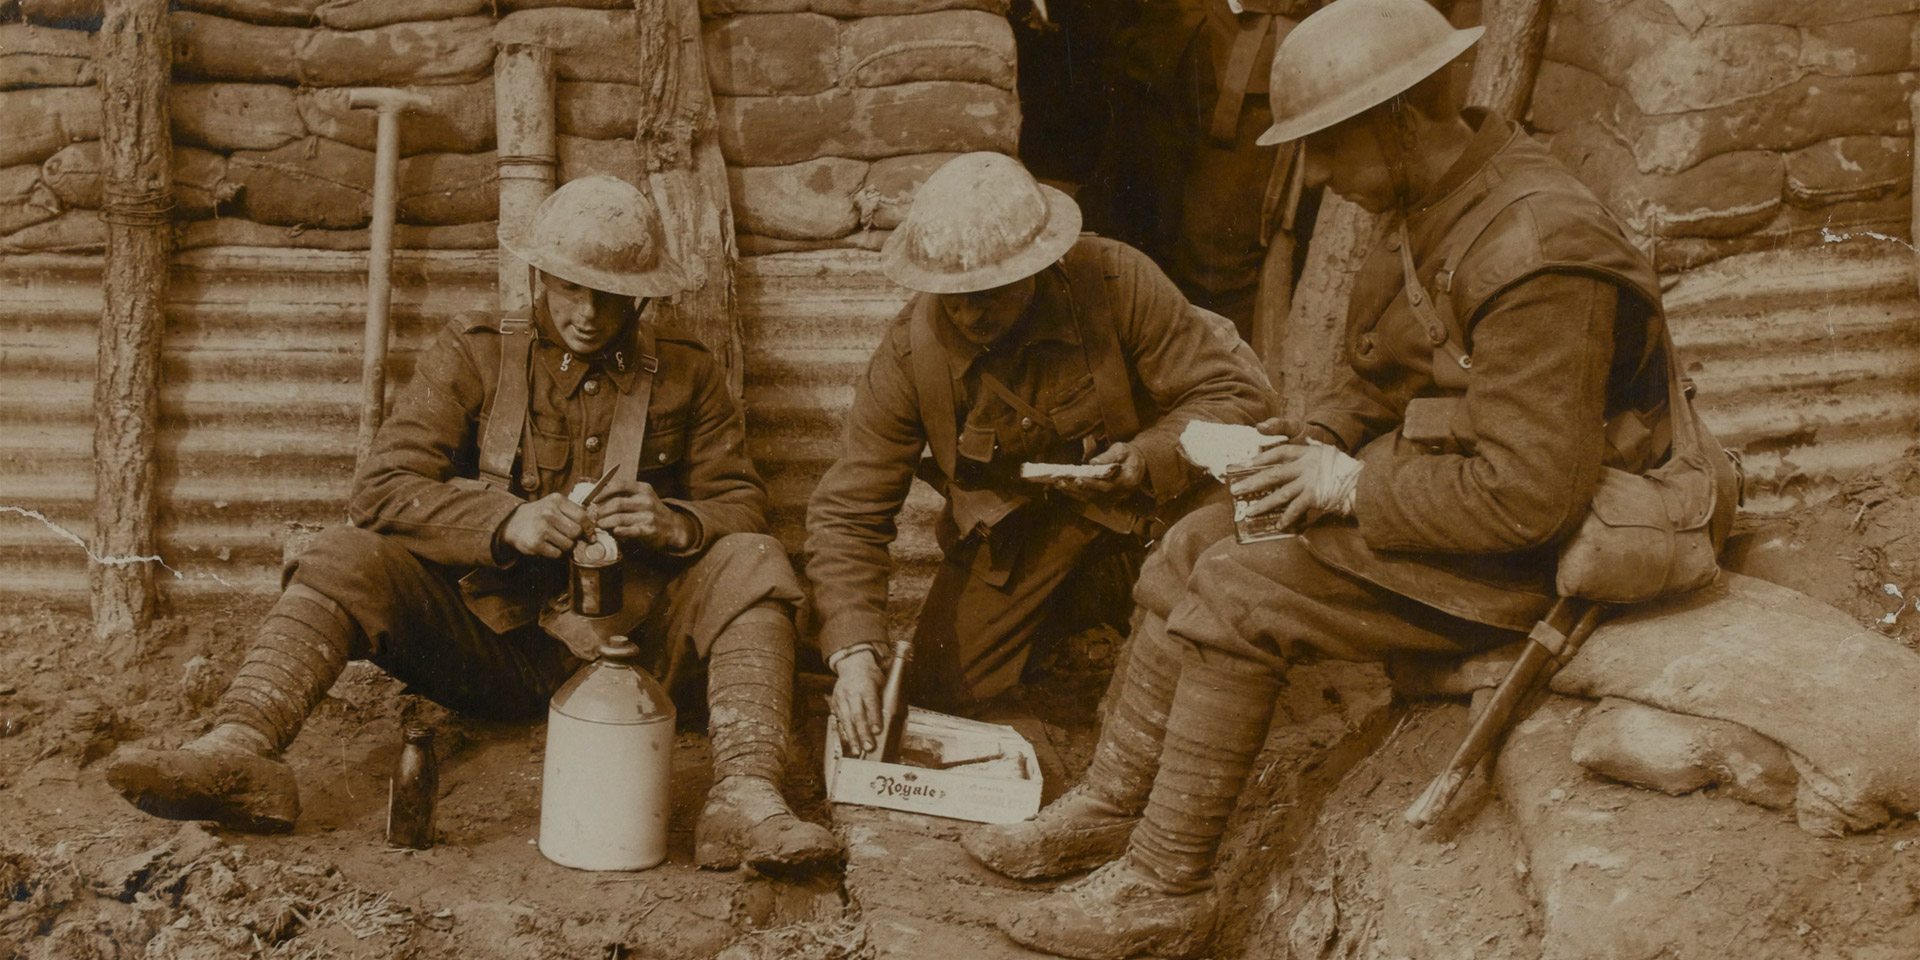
pixel 851 629
pixel 833 662
pixel 489 546
pixel 698 543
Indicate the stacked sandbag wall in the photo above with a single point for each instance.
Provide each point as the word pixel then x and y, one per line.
pixel 833 112
pixel 1716 127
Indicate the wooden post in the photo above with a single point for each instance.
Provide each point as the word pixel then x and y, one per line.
pixel 680 145
pixel 135 63
pixel 523 90
pixel 1311 350
pixel 1508 58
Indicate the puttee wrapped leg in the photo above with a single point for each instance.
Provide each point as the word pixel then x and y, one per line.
pixel 749 699
pixel 233 774
pixel 1091 823
pixel 1157 898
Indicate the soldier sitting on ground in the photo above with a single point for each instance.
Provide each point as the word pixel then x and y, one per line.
pixel 453 577
pixel 1504 343
pixel 1026 343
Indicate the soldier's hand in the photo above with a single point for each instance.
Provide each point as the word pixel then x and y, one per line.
pixel 632 511
pixel 856 701
pixel 1301 482
pixel 1131 473
pixel 546 527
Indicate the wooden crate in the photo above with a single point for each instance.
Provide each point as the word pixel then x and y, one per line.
pixel 1002 789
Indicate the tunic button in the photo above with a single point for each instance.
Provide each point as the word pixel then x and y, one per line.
pixel 663 456
pixel 593 444
pixel 1026 423
pixel 1365 345
pixel 529 482
pixel 591 387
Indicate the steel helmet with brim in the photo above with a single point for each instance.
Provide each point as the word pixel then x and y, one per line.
pixel 1355 54
pixel 980 221
pixel 601 233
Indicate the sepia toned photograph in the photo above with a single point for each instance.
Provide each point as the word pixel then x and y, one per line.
pixel 927 479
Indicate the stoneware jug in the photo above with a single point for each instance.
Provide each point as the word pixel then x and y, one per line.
pixel 604 796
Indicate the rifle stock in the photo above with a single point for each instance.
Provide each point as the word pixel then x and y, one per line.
pixel 1553 641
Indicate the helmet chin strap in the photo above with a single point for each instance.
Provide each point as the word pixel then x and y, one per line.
pixel 1395 139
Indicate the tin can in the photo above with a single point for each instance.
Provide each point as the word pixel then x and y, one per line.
pixel 1252 527
pixel 594 580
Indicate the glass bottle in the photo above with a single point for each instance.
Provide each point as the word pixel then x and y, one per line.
pixel 414 788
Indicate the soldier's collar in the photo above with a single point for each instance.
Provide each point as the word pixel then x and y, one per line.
pixel 620 360
pixel 1049 316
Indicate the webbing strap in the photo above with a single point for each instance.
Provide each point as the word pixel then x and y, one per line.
pixel 1093 316
pixel 509 415
pixel 1238 76
pixel 629 431
pixel 934 384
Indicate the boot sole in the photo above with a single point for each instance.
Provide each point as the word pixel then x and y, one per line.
pixel 146 783
pixel 1095 847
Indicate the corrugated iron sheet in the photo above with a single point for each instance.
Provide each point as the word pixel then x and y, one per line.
pixel 260 394
pixel 1809 362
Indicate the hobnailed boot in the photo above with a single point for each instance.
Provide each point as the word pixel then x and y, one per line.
pixel 1157 899
pixel 1090 823
pixel 749 698
pixel 233 774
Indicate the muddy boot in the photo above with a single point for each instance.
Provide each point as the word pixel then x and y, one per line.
pixel 1089 824
pixel 1157 899
pixel 749 697
pixel 233 775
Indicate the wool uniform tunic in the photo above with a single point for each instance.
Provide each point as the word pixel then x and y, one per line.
pixel 1031 396
pixel 1453 538
pixel 442 603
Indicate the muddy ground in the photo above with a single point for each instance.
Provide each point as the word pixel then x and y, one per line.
pixel 86 876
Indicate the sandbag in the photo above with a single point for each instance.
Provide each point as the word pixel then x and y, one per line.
pixel 597 45
pixel 801 201
pixel 1849 169
pixel 33 56
pixel 439 189
pixel 1724 196
pixel 457 119
pixel 968 45
pixel 1859 47
pixel 77 175
pixel 721 9
pixel 868 123
pixel 1845 702
pixel 754 245
pixel 39 122
pixel 75 231
pixel 781 54
pixel 1675 754
pixel 64 14
pixel 217 48
pixel 543 4
pixel 363 14
pixel 891 185
pixel 443 51
pixel 1666 68
pixel 235 116
pixel 597 111
pixel 853 9
pixel 236 232
pixel 581 157
pixel 24 200
pixel 282 13
pixel 1808 111
pixel 314 182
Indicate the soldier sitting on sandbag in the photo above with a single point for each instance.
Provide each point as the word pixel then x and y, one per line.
pixel 1026 343
pixel 1504 343
pixel 452 578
